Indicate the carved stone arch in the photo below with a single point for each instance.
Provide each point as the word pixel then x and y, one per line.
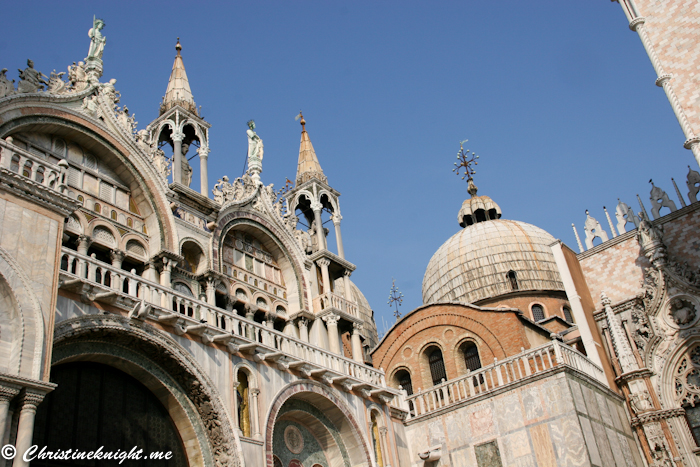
pixel 164 367
pixel 251 372
pixel 287 249
pixel 684 352
pixel 205 253
pixel 242 286
pixel 82 220
pixel 331 200
pixel 26 357
pixel 126 245
pixel 197 130
pixel 92 134
pixel 298 196
pixel 257 296
pixel 352 434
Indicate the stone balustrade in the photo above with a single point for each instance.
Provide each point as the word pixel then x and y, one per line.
pixel 33 167
pixel 215 325
pixel 332 302
pixel 498 375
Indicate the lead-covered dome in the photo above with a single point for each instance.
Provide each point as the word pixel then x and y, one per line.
pixel 490 257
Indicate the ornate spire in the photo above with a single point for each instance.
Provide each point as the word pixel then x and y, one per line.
pixel 178 92
pixel 308 166
pixel 622 346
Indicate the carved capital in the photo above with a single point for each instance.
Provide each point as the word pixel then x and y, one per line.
pixel 635 23
pixel 357 328
pixel 331 319
pixel 323 262
pixel 336 219
pixel 30 400
pixel 7 393
pixel 177 136
pixel 691 142
pixel 316 206
pixel 84 241
pixel 303 322
pixel 347 273
pixel 661 80
pixel 117 255
pixel 203 152
pixel 255 392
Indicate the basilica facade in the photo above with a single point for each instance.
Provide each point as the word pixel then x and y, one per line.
pixel 218 326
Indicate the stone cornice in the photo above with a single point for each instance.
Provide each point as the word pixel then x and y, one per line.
pixel 332 257
pixel 28 189
pixel 19 382
pixel 657 415
pixel 634 374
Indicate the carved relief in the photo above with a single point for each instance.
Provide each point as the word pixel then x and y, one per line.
pixel 682 312
pixel 241 190
pixel 7 87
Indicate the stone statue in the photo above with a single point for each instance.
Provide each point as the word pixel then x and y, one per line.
pixel 161 163
pixel 255 144
pixel 77 76
pixel 143 140
pixel 56 83
pixel 31 80
pixel 7 87
pixel 110 93
pixel 97 40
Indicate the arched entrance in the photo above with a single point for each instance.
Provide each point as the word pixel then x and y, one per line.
pixel 96 405
pixel 308 426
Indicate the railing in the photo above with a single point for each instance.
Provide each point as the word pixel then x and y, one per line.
pixel 330 300
pixel 33 167
pixel 498 375
pixel 218 321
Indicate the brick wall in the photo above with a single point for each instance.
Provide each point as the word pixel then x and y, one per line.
pixel 497 334
pixel 674 30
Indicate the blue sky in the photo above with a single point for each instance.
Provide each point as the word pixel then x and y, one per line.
pixel 557 98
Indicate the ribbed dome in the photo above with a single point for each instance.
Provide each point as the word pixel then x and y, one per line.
pixel 474 263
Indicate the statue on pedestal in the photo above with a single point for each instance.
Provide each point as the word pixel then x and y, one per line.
pixel 97 40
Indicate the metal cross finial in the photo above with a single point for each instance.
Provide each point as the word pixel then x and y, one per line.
pixel 465 160
pixel 395 297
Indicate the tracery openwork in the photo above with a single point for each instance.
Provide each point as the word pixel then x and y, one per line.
pixel 687 379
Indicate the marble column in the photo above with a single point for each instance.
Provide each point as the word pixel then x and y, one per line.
pixel 117 257
pixel 338 237
pixel 357 343
pixel 6 395
pixel 333 341
pixel 346 283
pixel 177 156
pixel 203 171
pixel 321 238
pixel 234 404
pixel 84 242
pixel 150 273
pixel 166 281
pixel 383 443
pixel 323 263
pixel 303 325
pixel 255 428
pixel 25 427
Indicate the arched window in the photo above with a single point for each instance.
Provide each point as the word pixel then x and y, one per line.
pixel 129 222
pixel 471 356
pixel 113 215
pixel 403 378
pixel 437 366
pixel 692 414
pixel 513 280
pixel 98 208
pixel 537 313
pixel 567 315
pixel 243 404
pixel 375 440
pixel 81 200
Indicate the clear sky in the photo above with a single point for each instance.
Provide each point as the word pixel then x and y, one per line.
pixel 557 98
